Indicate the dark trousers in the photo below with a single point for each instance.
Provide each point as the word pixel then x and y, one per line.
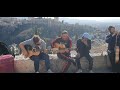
pixel 68 63
pixel 88 57
pixel 115 67
pixel 112 60
pixel 37 59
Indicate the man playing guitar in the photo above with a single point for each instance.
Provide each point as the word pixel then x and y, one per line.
pixel 62 43
pixel 29 49
pixel 113 40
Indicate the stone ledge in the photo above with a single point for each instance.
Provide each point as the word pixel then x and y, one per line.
pixel 100 65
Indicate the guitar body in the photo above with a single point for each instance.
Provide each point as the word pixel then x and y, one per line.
pixel 61 48
pixel 117 54
pixel 116 51
pixel 31 51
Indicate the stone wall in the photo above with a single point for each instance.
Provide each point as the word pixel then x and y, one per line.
pixel 100 65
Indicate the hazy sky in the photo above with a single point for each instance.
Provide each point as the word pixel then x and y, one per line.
pixel 95 18
pixel 89 18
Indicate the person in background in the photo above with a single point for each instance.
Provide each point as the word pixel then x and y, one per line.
pixel 111 40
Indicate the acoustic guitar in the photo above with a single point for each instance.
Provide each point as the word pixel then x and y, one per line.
pixel 36 51
pixel 117 51
pixel 61 48
pixel 31 51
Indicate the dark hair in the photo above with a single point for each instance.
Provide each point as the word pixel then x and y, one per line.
pixel 109 28
pixel 36 39
pixel 64 32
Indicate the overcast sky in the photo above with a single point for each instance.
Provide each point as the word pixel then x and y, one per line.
pixel 94 18
pixel 89 18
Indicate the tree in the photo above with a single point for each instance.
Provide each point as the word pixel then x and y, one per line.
pixel 76 37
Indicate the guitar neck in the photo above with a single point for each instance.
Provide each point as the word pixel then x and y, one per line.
pixel 58 50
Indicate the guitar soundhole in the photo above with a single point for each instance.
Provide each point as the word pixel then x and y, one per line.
pixel 34 50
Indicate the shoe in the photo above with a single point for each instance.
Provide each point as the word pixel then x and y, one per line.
pixel 91 71
pixel 37 72
pixel 49 71
pixel 79 71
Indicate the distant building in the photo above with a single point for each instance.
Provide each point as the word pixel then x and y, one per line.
pixel 30 18
pixel 40 17
pixel 56 18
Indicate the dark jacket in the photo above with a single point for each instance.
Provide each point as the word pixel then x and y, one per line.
pixel 82 48
pixel 111 40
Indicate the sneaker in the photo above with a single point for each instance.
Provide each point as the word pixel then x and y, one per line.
pixel 37 72
pixel 79 71
pixel 49 71
pixel 91 71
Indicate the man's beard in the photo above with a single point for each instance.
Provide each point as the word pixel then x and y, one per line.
pixel 111 32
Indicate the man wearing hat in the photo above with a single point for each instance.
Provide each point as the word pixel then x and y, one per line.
pixel 36 42
pixel 83 48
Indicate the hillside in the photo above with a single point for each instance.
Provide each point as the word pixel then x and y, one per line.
pixel 13 30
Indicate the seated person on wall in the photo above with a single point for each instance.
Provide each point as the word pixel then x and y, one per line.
pixel 40 46
pixel 83 47
pixel 64 44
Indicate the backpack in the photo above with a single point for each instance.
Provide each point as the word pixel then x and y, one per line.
pixel 4 50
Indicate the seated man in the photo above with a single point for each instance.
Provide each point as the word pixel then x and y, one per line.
pixel 62 43
pixel 38 43
pixel 83 47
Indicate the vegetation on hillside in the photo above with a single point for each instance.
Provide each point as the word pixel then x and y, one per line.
pixel 13 30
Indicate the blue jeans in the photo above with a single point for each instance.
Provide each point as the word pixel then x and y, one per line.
pixel 37 59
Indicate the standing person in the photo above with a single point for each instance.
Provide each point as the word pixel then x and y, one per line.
pixel 111 40
pixel 64 40
pixel 36 41
pixel 83 50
